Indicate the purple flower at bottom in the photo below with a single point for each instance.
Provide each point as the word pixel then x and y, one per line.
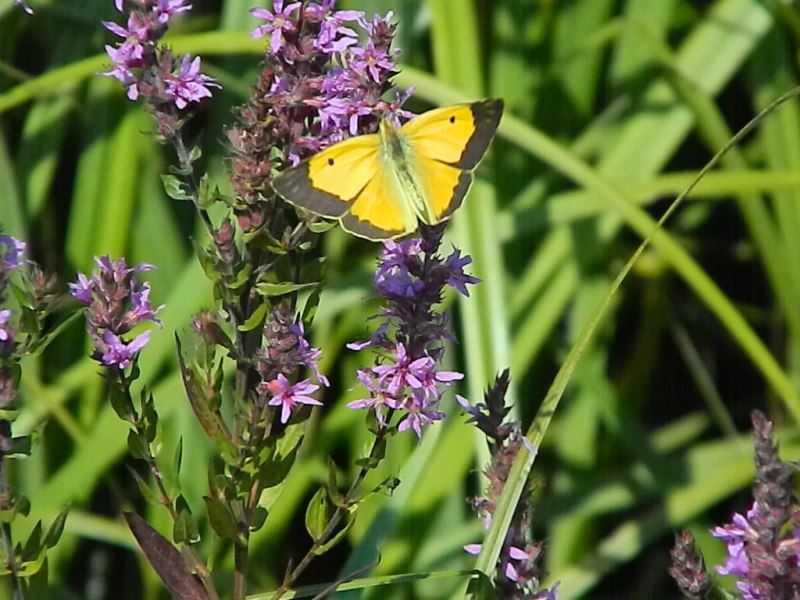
pixel 288 395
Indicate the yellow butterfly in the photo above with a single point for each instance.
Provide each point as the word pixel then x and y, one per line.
pixel 380 186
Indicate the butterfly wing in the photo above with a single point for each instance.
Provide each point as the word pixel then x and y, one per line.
pixel 348 182
pixel 448 144
pixel 327 183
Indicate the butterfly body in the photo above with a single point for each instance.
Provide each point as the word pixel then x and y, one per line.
pixel 381 185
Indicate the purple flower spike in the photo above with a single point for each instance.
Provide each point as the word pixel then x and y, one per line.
pixel 407 378
pixel 115 303
pixel 149 70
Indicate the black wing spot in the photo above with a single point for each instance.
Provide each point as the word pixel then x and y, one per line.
pixel 330 162
pixel 452 118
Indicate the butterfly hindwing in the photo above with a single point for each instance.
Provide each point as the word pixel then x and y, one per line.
pixel 377 213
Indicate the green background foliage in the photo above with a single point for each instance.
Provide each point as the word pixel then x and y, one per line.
pixel 611 109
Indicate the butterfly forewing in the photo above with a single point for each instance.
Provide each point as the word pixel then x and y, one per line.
pixel 328 182
pixel 458 135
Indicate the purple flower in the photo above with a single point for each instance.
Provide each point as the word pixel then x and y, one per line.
pixel 377 400
pixel 166 9
pixel 287 395
pixel 457 279
pixel 116 303
pixel 11 251
pixel 419 414
pixel 370 61
pixel 519 568
pixel 189 84
pixel 403 371
pixel 308 355
pixel 118 353
pixel 278 23
pixel 5 331
pixel 432 378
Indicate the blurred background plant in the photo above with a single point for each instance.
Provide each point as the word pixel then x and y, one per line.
pixel 611 108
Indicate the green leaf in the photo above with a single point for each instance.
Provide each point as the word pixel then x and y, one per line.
pixel 42 342
pixel 320 225
pixel 269 290
pixel 33 546
pixel 318 514
pixel 147 490
pixel 348 523
pixel 175 188
pixel 257 517
pixel 276 465
pixel 184 529
pixel 55 530
pixel 166 560
pixel 149 416
pixel 221 518
pixel 137 446
pixel 254 320
pixel 121 403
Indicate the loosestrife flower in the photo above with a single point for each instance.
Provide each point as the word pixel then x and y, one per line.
pixel 288 396
pixel 763 545
pixel 116 303
pixel 518 570
pixel 407 379
pixel 286 349
pixel 150 71
pixel 11 251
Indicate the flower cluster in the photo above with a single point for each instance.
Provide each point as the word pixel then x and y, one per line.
pixel 286 349
pixel 763 545
pixel 519 560
pixel 116 302
pixel 11 251
pixel 406 378
pixel 319 85
pixel 151 71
